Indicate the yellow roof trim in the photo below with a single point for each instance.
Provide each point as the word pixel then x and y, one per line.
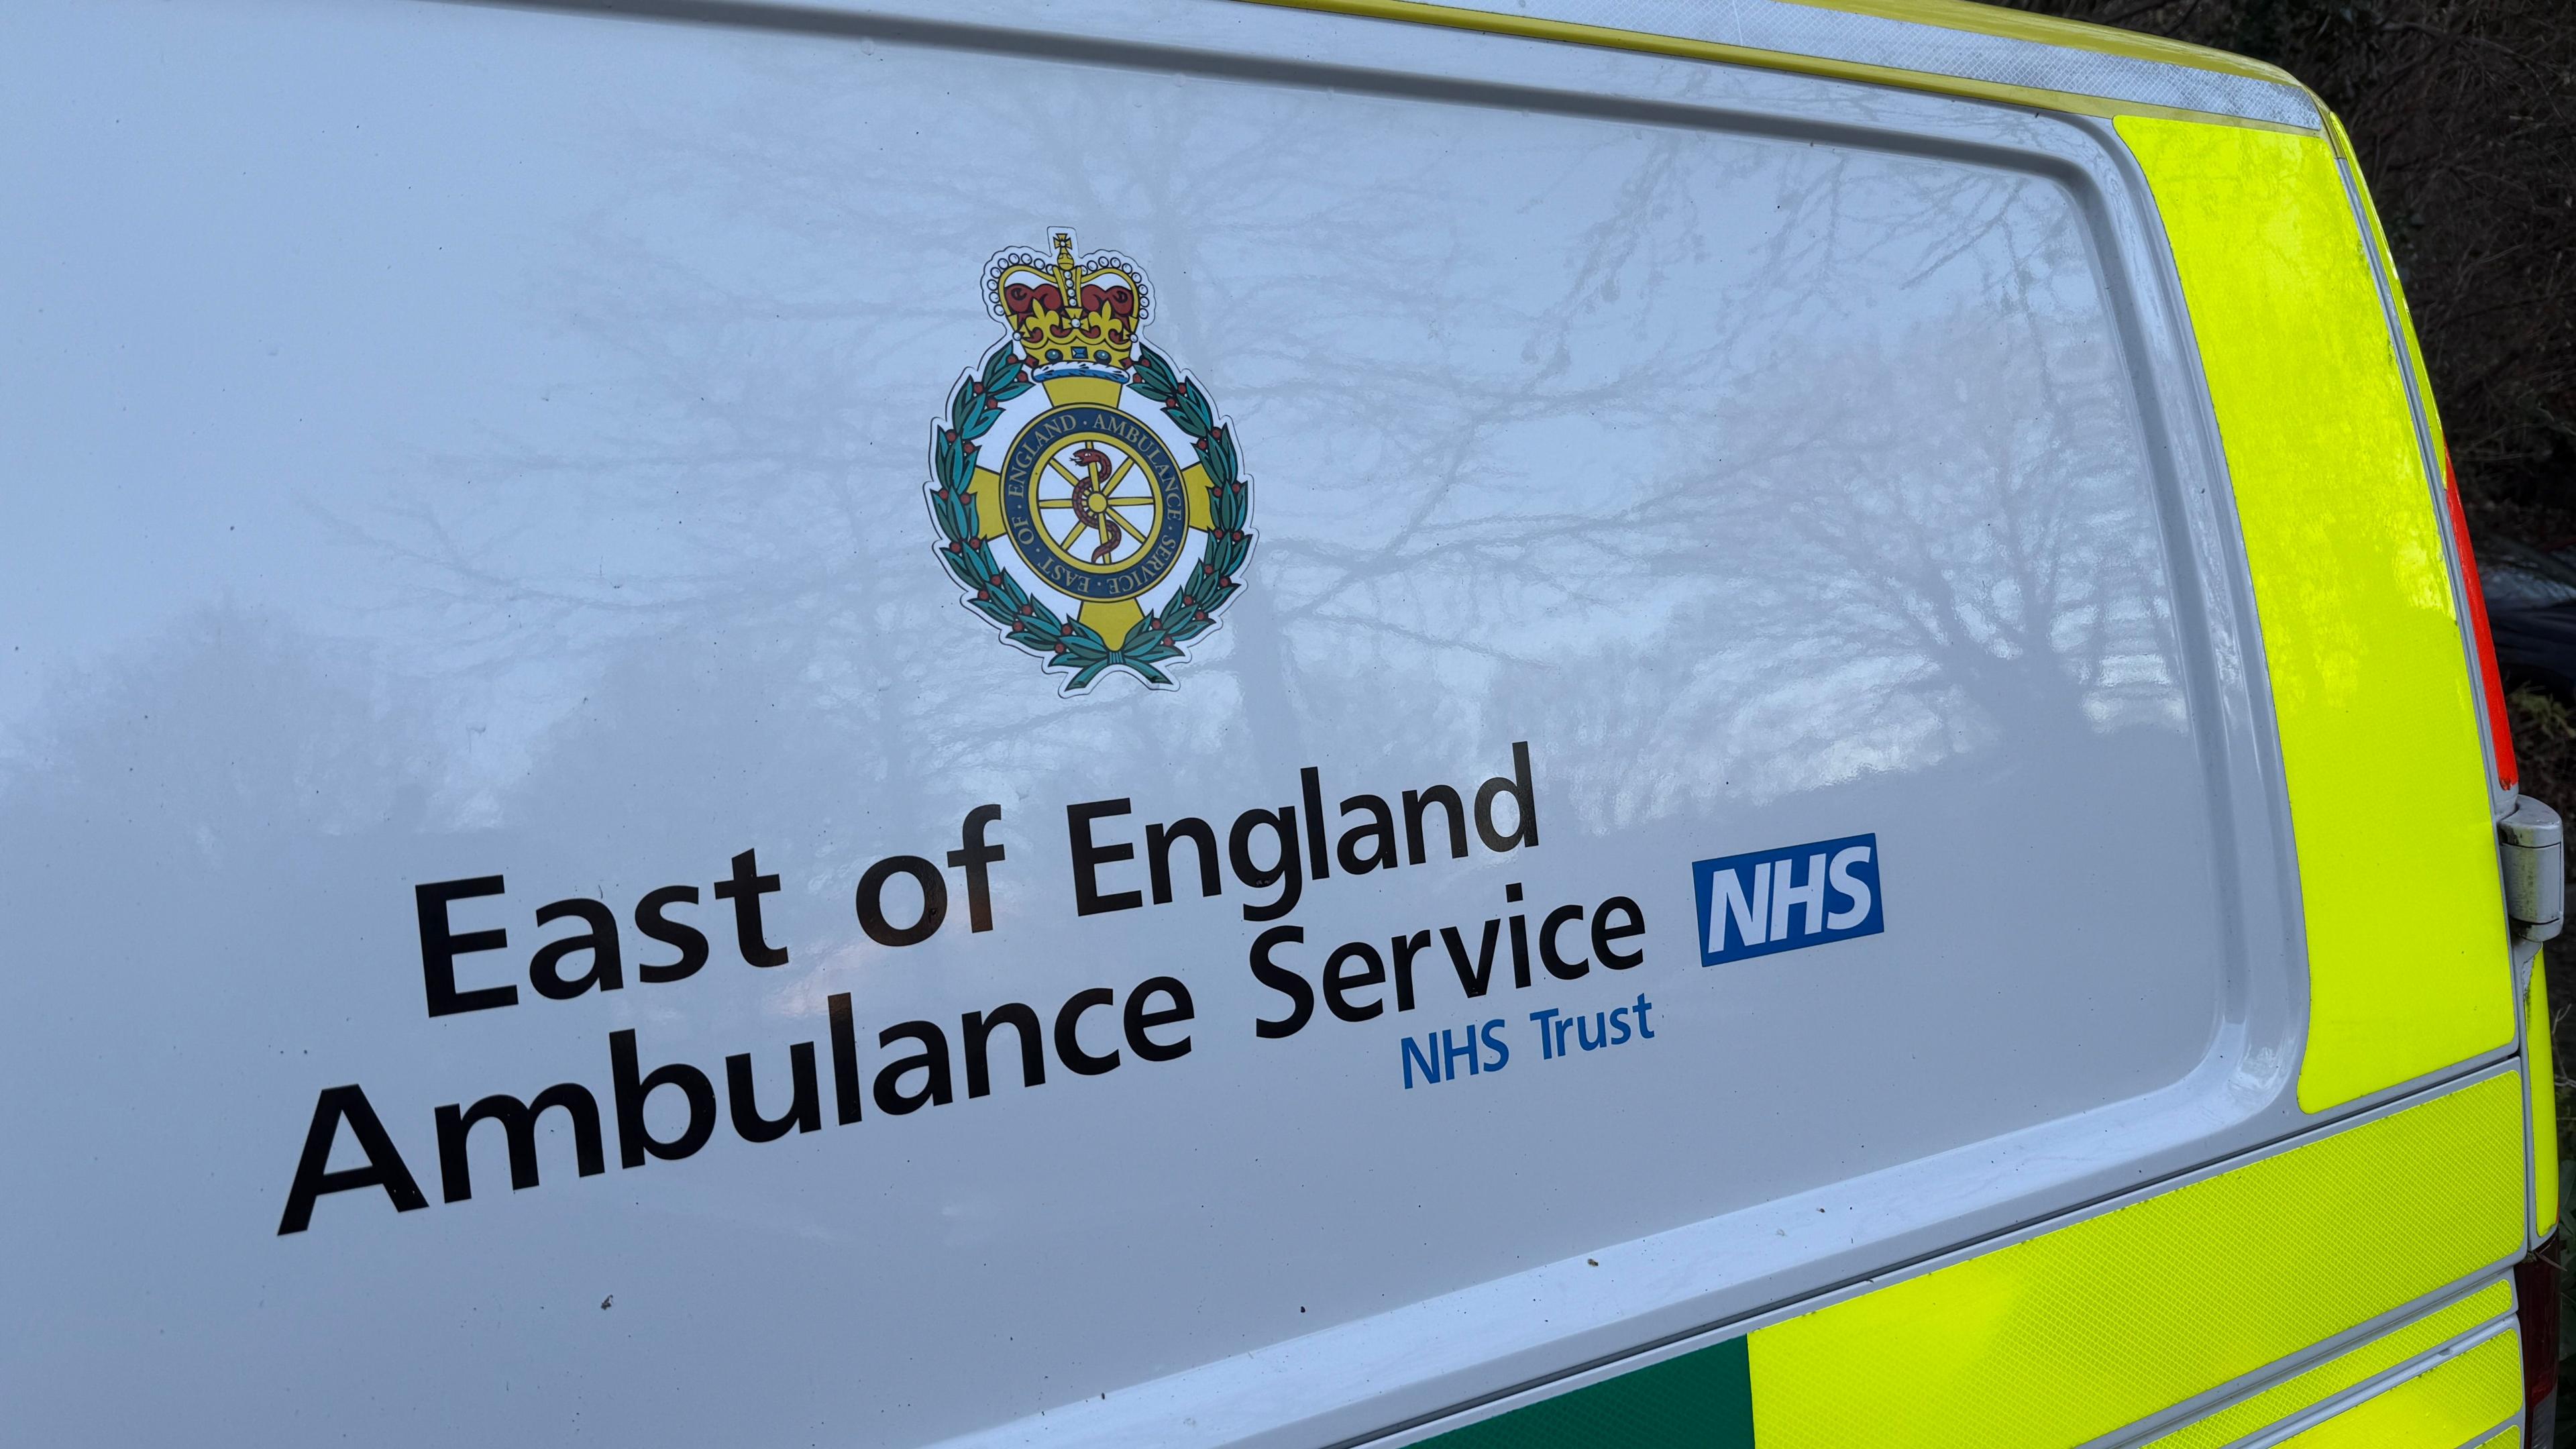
pixel 1648 43
pixel 1981 19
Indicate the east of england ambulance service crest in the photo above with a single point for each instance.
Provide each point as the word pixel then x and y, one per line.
pixel 1089 499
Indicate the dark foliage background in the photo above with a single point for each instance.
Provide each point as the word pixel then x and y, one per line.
pixel 2464 115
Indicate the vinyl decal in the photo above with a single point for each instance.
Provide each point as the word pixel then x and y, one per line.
pixel 1089 500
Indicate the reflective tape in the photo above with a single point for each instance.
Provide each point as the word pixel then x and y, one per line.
pixel 2292 1396
pixel 2540 1071
pixel 2437 466
pixel 2445 1406
pixel 2409 967
pixel 1703 1399
pixel 2074 1334
pixel 2397 294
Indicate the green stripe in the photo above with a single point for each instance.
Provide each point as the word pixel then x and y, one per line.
pixel 1702 1400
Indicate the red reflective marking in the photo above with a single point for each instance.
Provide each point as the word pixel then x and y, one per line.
pixel 2499 729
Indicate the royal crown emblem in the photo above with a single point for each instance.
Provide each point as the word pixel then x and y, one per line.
pixel 1071 318
pixel 1125 530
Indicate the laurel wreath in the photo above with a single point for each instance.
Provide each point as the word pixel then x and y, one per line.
pixel 1064 642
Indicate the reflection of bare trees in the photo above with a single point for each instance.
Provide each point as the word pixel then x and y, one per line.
pixel 1872 484
pixel 229 732
pixel 1942 546
pixel 1719 468
pixel 1808 435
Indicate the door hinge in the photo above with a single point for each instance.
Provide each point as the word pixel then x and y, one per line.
pixel 2534 848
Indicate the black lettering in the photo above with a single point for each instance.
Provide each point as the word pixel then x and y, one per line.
pixel 804 1112
pixel 1473 983
pixel 1603 933
pixel 978 1030
pixel 439 947
pixel 931 1061
pixel 745 890
pixel 845 1058
pixel 519 1124
pixel 384 1167
pixel 1555 962
pixel 870 899
pixel 1068 1028
pixel 1301 997
pixel 635 1141
pixel 545 970
pixel 1405 949
pixel 1158 856
pixel 1140 1020
pixel 1284 874
pixel 1089 857
pixel 1447 799
pixel 1380 827
pixel 1310 789
pixel 975 856
pixel 650 920
pixel 1517 786
pixel 1339 983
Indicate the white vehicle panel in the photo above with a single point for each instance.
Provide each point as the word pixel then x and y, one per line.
pixel 453 442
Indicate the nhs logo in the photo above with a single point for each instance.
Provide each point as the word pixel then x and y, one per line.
pixel 1780 900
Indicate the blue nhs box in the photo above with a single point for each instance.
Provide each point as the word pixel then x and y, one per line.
pixel 1780 900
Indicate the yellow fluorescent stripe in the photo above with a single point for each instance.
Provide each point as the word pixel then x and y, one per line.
pixel 2540 1067
pixel 2065 1337
pixel 2379 241
pixel 2327 1380
pixel 1643 42
pixel 2408 966
pixel 2422 390
pixel 2441 1408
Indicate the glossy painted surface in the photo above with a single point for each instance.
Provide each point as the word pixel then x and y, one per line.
pixel 2233 1424
pixel 2069 1337
pixel 2408 956
pixel 2238 1308
pixel 1959 49
pixel 451 442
